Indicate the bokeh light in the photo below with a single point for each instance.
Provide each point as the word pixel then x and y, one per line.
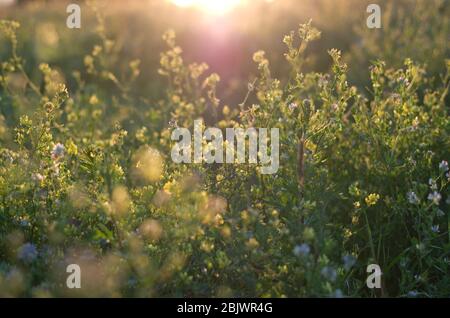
pixel 217 7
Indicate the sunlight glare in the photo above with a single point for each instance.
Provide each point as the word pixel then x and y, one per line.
pixel 209 6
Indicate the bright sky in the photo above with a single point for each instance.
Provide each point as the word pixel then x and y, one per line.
pixel 209 6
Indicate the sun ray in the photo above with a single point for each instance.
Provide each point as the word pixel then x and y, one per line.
pixel 217 7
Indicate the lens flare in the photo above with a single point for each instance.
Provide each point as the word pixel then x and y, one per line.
pixel 217 7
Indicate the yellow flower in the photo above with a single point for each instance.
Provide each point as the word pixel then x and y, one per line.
pixel 372 199
pixel 219 178
pixel 347 233
pixel 72 148
pixel 252 243
pixel 93 100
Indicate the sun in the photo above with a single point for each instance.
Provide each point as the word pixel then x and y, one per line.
pixel 210 6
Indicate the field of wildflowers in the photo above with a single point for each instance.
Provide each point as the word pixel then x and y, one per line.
pixel 87 178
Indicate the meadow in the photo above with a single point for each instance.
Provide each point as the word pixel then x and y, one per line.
pixel 87 176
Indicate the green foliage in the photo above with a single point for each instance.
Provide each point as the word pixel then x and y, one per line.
pixel 87 178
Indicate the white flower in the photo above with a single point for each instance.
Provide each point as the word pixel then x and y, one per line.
pixel 440 213
pixel 173 123
pixel 329 273
pixel 435 197
pixel 435 228
pixel 58 151
pixel 415 124
pixel 27 252
pixel 292 106
pixel 412 197
pixel 302 250
pixel 443 166
pixel 37 177
pixel 413 293
pixel 432 183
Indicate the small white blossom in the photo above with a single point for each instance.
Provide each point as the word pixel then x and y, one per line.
pixel 435 197
pixel 293 106
pixel 302 250
pixel 58 151
pixel 435 228
pixel 412 197
pixel 413 293
pixel 37 177
pixel 173 123
pixel 27 253
pixel 432 183
pixel 443 166
pixel 329 273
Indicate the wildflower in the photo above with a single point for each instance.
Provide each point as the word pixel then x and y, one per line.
pixel 432 183
pixel 252 243
pixel 93 100
pixel 302 250
pixel 435 228
pixel 219 178
pixel 323 81
pixel 440 213
pixel 396 97
pixel 58 151
pixel 37 177
pixel 448 176
pixel 412 197
pixel 415 124
pixel 293 106
pixel 413 293
pixel 27 253
pixel 372 199
pixel 173 123
pixel 435 197
pixel 72 148
pixel 349 261
pixel 443 166
pixel 329 273
pixel 226 110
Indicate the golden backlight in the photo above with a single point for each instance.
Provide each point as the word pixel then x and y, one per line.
pixel 209 6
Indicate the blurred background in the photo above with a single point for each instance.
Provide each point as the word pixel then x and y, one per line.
pixel 225 34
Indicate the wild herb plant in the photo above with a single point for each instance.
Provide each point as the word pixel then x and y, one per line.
pixel 86 179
